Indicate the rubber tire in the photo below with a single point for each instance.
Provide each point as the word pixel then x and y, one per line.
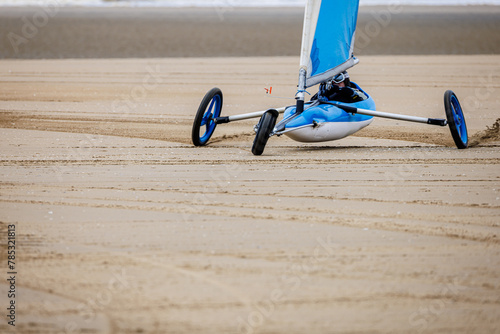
pixel 266 126
pixel 212 100
pixel 456 120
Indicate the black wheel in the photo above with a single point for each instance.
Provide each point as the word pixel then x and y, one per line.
pixel 265 127
pixel 204 122
pixel 456 120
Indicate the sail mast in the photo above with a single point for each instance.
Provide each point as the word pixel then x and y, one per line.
pixel 310 21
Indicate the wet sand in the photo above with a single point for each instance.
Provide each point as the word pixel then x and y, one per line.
pixel 123 226
pixel 61 32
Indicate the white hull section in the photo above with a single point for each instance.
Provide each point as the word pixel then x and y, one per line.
pixel 326 131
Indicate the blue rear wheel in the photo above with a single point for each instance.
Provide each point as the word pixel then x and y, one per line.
pixel 456 120
pixel 204 123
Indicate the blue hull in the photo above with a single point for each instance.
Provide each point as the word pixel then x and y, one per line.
pixel 326 122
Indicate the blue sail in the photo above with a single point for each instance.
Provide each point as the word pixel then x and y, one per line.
pixel 328 39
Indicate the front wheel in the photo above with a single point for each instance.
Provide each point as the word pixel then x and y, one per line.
pixel 456 120
pixel 265 127
pixel 204 122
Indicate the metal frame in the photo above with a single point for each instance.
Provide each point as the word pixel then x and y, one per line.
pixel 234 118
pixel 348 109
pixel 375 113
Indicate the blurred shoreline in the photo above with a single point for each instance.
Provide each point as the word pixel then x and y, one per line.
pixel 122 32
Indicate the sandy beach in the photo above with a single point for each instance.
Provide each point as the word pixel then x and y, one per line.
pixel 123 226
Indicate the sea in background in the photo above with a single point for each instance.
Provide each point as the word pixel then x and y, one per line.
pixel 233 3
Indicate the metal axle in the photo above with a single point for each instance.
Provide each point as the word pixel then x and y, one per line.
pixel 227 119
pixel 352 110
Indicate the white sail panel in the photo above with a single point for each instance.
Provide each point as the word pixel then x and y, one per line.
pixel 328 38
